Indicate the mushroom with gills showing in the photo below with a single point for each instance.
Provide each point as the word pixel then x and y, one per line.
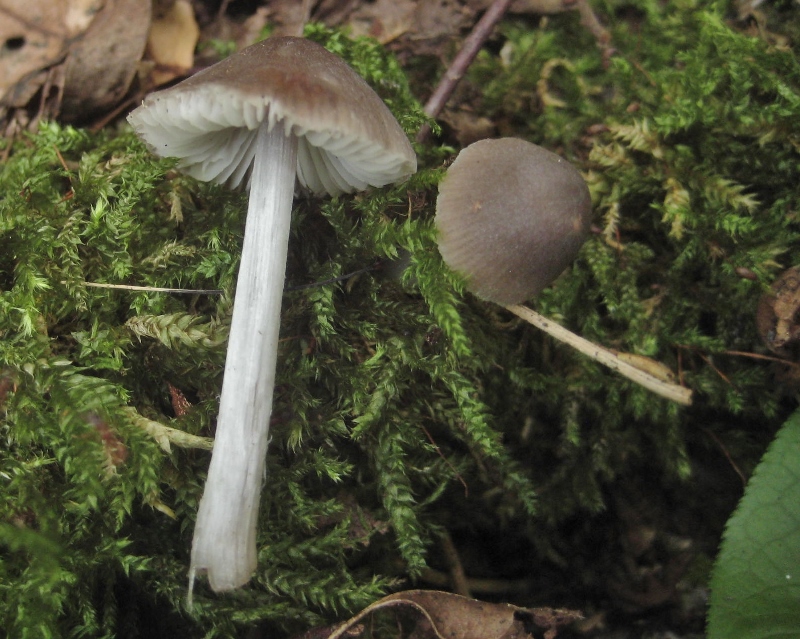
pixel 511 217
pixel 281 111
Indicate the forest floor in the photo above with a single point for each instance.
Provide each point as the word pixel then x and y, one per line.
pixel 69 63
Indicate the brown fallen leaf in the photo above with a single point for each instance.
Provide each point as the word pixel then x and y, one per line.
pixel 778 314
pixel 180 405
pixel 288 17
pixel 384 20
pixel 101 65
pixel 334 12
pixel 115 450
pixel 449 616
pixel 538 7
pixel 35 35
pixel 322 632
pixel 8 383
pixel 171 42
pixel 467 127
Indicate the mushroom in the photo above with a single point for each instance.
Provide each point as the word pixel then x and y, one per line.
pixel 281 111
pixel 511 216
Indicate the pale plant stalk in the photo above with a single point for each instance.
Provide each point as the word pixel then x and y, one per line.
pixel 224 544
pixel 605 356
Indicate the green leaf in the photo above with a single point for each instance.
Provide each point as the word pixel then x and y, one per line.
pixel 755 586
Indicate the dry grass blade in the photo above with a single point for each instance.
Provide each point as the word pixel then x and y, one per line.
pixel 669 390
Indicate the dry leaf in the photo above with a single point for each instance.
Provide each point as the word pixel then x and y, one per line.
pixel 534 7
pixel 467 126
pixel 35 33
pixel 115 450
pixel 441 20
pixel 289 16
pixel 8 383
pixel 101 65
pixel 384 20
pixel 171 43
pixel 449 616
pixel 180 405
pixel 334 12
pixel 251 29
pixel 778 315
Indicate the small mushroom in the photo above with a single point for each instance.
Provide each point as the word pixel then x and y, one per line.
pixel 281 111
pixel 511 216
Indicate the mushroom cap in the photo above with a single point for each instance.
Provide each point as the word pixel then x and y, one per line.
pixel 347 137
pixel 511 216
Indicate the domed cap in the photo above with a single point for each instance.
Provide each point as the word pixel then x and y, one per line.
pixel 511 217
pixel 348 138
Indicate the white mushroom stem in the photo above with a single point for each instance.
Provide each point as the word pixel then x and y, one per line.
pixel 224 544
pixel 605 356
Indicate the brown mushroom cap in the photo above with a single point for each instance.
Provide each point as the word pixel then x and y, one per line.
pixel 348 138
pixel 511 216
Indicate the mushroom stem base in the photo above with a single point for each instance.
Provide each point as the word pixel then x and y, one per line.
pixel 224 544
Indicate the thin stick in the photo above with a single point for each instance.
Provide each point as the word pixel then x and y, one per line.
pixel 156 289
pixel 673 392
pixel 458 577
pixel 219 291
pixel 461 62
pixel 768 358
pixel 725 452
pixel 592 24
pixel 478 585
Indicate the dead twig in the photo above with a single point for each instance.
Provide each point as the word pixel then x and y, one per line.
pixel 458 577
pixel 461 62
pixel 592 24
pixel 605 356
pixel 155 289
pixel 727 455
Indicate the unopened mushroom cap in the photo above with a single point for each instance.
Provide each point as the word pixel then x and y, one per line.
pixel 348 138
pixel 511 216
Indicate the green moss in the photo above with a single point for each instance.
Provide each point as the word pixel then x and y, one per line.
pixel 364 380
pixel 692 182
